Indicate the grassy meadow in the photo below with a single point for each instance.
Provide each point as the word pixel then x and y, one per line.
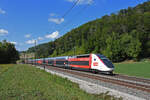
pixel 139 69
pixel 24 82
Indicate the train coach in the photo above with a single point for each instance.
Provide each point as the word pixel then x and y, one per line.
pixel 92 62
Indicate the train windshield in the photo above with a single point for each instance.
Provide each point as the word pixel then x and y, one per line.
pixel 107 62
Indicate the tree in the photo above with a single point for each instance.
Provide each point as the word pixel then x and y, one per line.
pixel 131 45
pixel 114 47
pixel 8 52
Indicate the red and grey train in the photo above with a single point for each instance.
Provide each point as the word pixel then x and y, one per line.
pixel 93 62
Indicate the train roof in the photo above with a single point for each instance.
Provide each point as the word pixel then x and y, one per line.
pixel 48 58
pixel 80 56
pixel 62 57
pixel 83 55
pixel 87 55
pixel 100 55
pixel 66 57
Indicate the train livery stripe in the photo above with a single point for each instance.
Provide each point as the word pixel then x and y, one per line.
pixel 78 59
pixel 86 63
pixel 79 66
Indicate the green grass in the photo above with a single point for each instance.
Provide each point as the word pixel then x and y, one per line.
pixel 4 68
pixel 24 82
pixel 139 69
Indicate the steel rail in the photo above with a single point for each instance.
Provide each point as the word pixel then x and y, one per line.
pixel 104 79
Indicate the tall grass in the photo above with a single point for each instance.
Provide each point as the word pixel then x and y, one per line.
pixel 24 82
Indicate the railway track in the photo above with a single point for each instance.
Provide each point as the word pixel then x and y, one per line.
pixel 133 78
pixel 122 80
pixel 127 78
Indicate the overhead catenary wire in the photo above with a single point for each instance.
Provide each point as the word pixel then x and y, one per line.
pixel 69 10
pixel 71 20
pixel 66 13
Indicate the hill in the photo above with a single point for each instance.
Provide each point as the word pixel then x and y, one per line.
pixel 119 36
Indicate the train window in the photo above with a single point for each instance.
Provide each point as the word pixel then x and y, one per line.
pixel 107 63
pixel 94 59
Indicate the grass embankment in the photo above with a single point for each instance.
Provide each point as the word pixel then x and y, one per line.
pixel 139 69
pixel 24 82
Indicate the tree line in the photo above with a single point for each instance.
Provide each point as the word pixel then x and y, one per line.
pixel 119 36
pixel 8 53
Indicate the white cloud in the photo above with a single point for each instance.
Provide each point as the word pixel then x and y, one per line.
pixel 2 11
pixel 40 38
pixel 27 35
pixel 3 32
pixel 30 42
pixel 82 1
pixel 53 35
pixel 33 40
pixel 15 43
pixel 52 14
pixel 56 20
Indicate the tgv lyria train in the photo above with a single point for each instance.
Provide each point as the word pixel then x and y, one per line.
pixel 93 62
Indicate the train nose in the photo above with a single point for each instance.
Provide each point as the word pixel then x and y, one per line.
pixel 110 69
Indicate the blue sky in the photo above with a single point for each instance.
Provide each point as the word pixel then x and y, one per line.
pixel 24 21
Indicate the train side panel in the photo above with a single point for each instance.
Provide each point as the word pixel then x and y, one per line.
pixel 61 61
pixel 82 62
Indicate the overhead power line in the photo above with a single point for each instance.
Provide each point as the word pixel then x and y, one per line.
pixel 72 19
pixel 66 13
pixel 71 8
pixel 76 15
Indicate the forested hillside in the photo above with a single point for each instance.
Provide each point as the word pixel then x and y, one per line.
pixel 119 36
pixel 8 53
